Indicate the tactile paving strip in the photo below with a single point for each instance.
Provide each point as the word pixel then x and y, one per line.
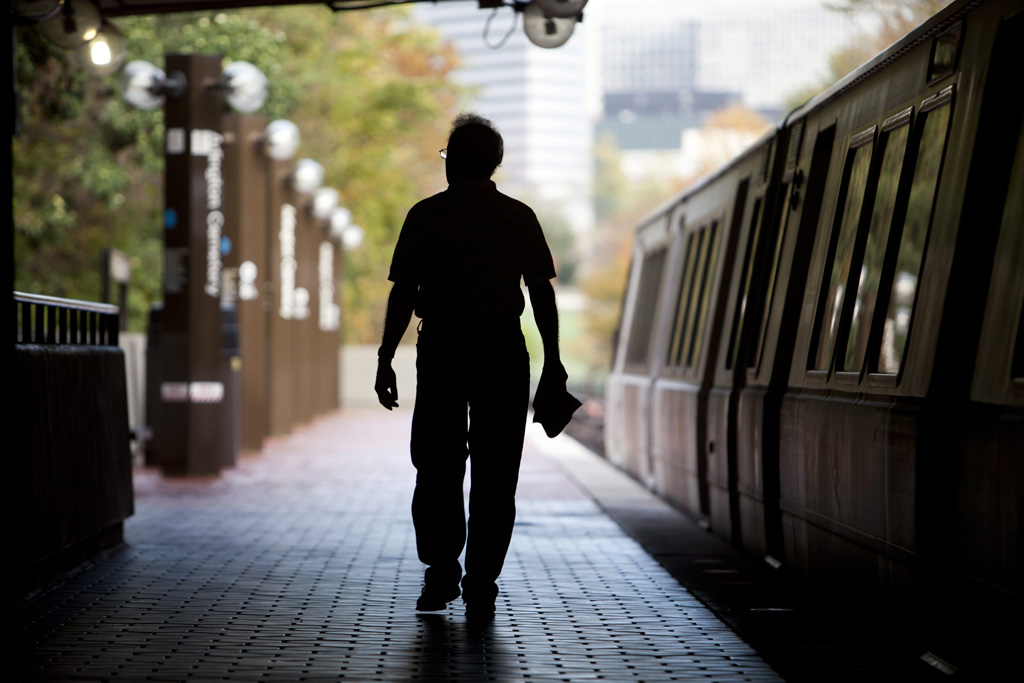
pixel 300 564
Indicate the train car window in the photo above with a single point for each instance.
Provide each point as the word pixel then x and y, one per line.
pixel 1017 368
pixel 714 238
pixel 768 288
pixel 682 300
pixel 893 144
pixel 844 233
pixel 900 304
pixel 739 321
pixel 945 50
pixel 694 297
pixel 640 336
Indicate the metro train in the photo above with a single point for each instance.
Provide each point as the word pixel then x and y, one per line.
pixel 820 355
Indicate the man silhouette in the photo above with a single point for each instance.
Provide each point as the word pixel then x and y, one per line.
pixel 458 264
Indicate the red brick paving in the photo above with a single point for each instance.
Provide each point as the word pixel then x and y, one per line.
pixel 299 564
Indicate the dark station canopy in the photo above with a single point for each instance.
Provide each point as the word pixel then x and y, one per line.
pixel 547 23
pixel 114 8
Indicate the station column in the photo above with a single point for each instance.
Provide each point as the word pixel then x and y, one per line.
pixel 191 391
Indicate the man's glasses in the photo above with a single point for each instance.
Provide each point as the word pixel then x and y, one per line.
pixel 444 153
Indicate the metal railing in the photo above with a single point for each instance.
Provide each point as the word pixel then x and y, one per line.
pixel 43 319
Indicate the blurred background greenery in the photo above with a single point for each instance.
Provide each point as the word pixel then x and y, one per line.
pixel 372 93
pixel 369 91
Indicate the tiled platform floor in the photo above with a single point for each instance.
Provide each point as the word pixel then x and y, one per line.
pixel 300 564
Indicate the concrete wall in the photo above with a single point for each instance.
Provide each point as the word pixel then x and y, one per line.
pixel 359 369
pixel 133 344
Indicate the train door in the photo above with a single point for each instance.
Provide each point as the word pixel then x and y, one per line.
pixel 628 391
pixel 693 355
pixel 989 469
pixel 973 507
pixel 765 328
pixel 678 413
pixel 731 374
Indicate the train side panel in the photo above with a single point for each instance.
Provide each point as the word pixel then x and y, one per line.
pixel 693 312
pixel 847 455
pixel 990 467
pixel 865 470
pixel 833 363
pixel 764 349
pixel 736 502
pixel 988 470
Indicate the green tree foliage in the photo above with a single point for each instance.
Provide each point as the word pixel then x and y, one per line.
pixel 907 12
pixel 620 203
pixel 369 91
pixel 610 184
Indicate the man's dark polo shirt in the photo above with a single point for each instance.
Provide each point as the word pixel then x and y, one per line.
pixel 466 248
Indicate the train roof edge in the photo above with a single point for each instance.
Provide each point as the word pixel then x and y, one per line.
pixel 927 30
pixel 931 27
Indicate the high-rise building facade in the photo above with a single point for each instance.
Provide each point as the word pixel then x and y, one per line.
pixel 648 69
pixel 763 50
pixel 667 65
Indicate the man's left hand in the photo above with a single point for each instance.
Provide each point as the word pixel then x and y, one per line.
pixel 386 385
pixel 553 372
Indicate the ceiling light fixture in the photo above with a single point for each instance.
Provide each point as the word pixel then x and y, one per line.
pixel 146 86
pixel 76 22
pixel 104 54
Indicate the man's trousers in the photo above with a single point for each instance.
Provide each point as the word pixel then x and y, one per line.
pixel 483 368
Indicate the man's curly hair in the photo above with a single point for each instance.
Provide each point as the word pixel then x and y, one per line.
pixel 476 144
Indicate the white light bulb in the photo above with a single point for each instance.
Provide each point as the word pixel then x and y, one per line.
pixel 246 87
pixel 308 176
pixel 104 54
pixel 140 84
pixel 341 218
pixel 99 52
pixel 352 237
pixel 325 200
pixel 281 139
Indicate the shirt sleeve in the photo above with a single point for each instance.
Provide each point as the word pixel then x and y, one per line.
pixel 405 263
pixel 538 266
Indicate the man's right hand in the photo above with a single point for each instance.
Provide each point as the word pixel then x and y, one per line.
pixel 386 385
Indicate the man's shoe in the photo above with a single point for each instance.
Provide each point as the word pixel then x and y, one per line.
pixel 433 599
pixel 480 612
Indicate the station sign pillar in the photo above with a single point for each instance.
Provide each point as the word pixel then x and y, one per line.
pixel 245 167
pixel 191 415
pixel 306 314
pixel 282 227
pixel 329 270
